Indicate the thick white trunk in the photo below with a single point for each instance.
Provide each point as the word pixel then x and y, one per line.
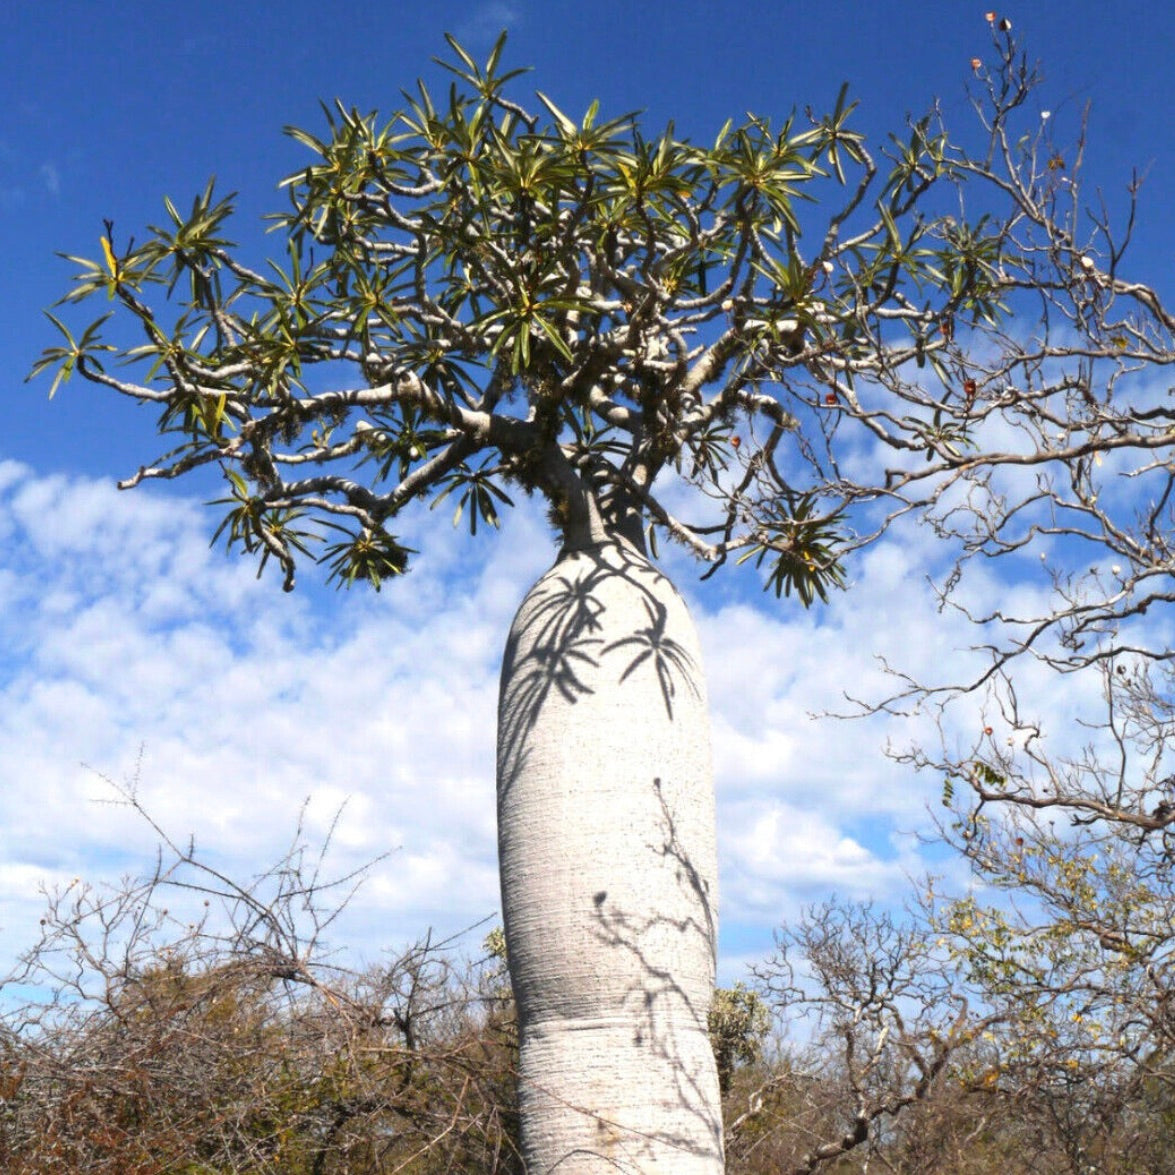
pixel 606 836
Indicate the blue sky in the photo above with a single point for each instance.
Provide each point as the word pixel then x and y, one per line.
pixel 120 630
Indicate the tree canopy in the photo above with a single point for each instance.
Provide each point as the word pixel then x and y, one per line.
pixel 476 299
pixel 816 336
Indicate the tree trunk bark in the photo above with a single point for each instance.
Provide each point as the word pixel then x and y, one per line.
pixel 609 871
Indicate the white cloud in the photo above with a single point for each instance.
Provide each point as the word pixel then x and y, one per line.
pixel 50 178
pixel 485 21
pixel 120 629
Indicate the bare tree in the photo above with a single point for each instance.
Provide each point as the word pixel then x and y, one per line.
pixel 942 1040
pixel 187 1021
pixel 1071 928
pixel 886 1021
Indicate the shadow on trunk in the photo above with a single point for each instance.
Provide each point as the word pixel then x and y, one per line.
pixel 565 639
pixel 606 833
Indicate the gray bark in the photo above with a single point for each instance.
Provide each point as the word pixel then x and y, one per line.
pixel 608 864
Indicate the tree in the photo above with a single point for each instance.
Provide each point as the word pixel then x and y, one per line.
pixel 477 300
pixel 1072 933
pixel 958 1038
pixel 188 1021
pixel 888 1022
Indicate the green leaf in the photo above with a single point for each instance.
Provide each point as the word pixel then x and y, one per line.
pixel 478 496
pixel 368 557
pixel 800 546
pixel 470 64
pixel 565 124
pixel 69 358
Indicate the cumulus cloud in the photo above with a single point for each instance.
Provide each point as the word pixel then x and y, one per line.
pixel 121 630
